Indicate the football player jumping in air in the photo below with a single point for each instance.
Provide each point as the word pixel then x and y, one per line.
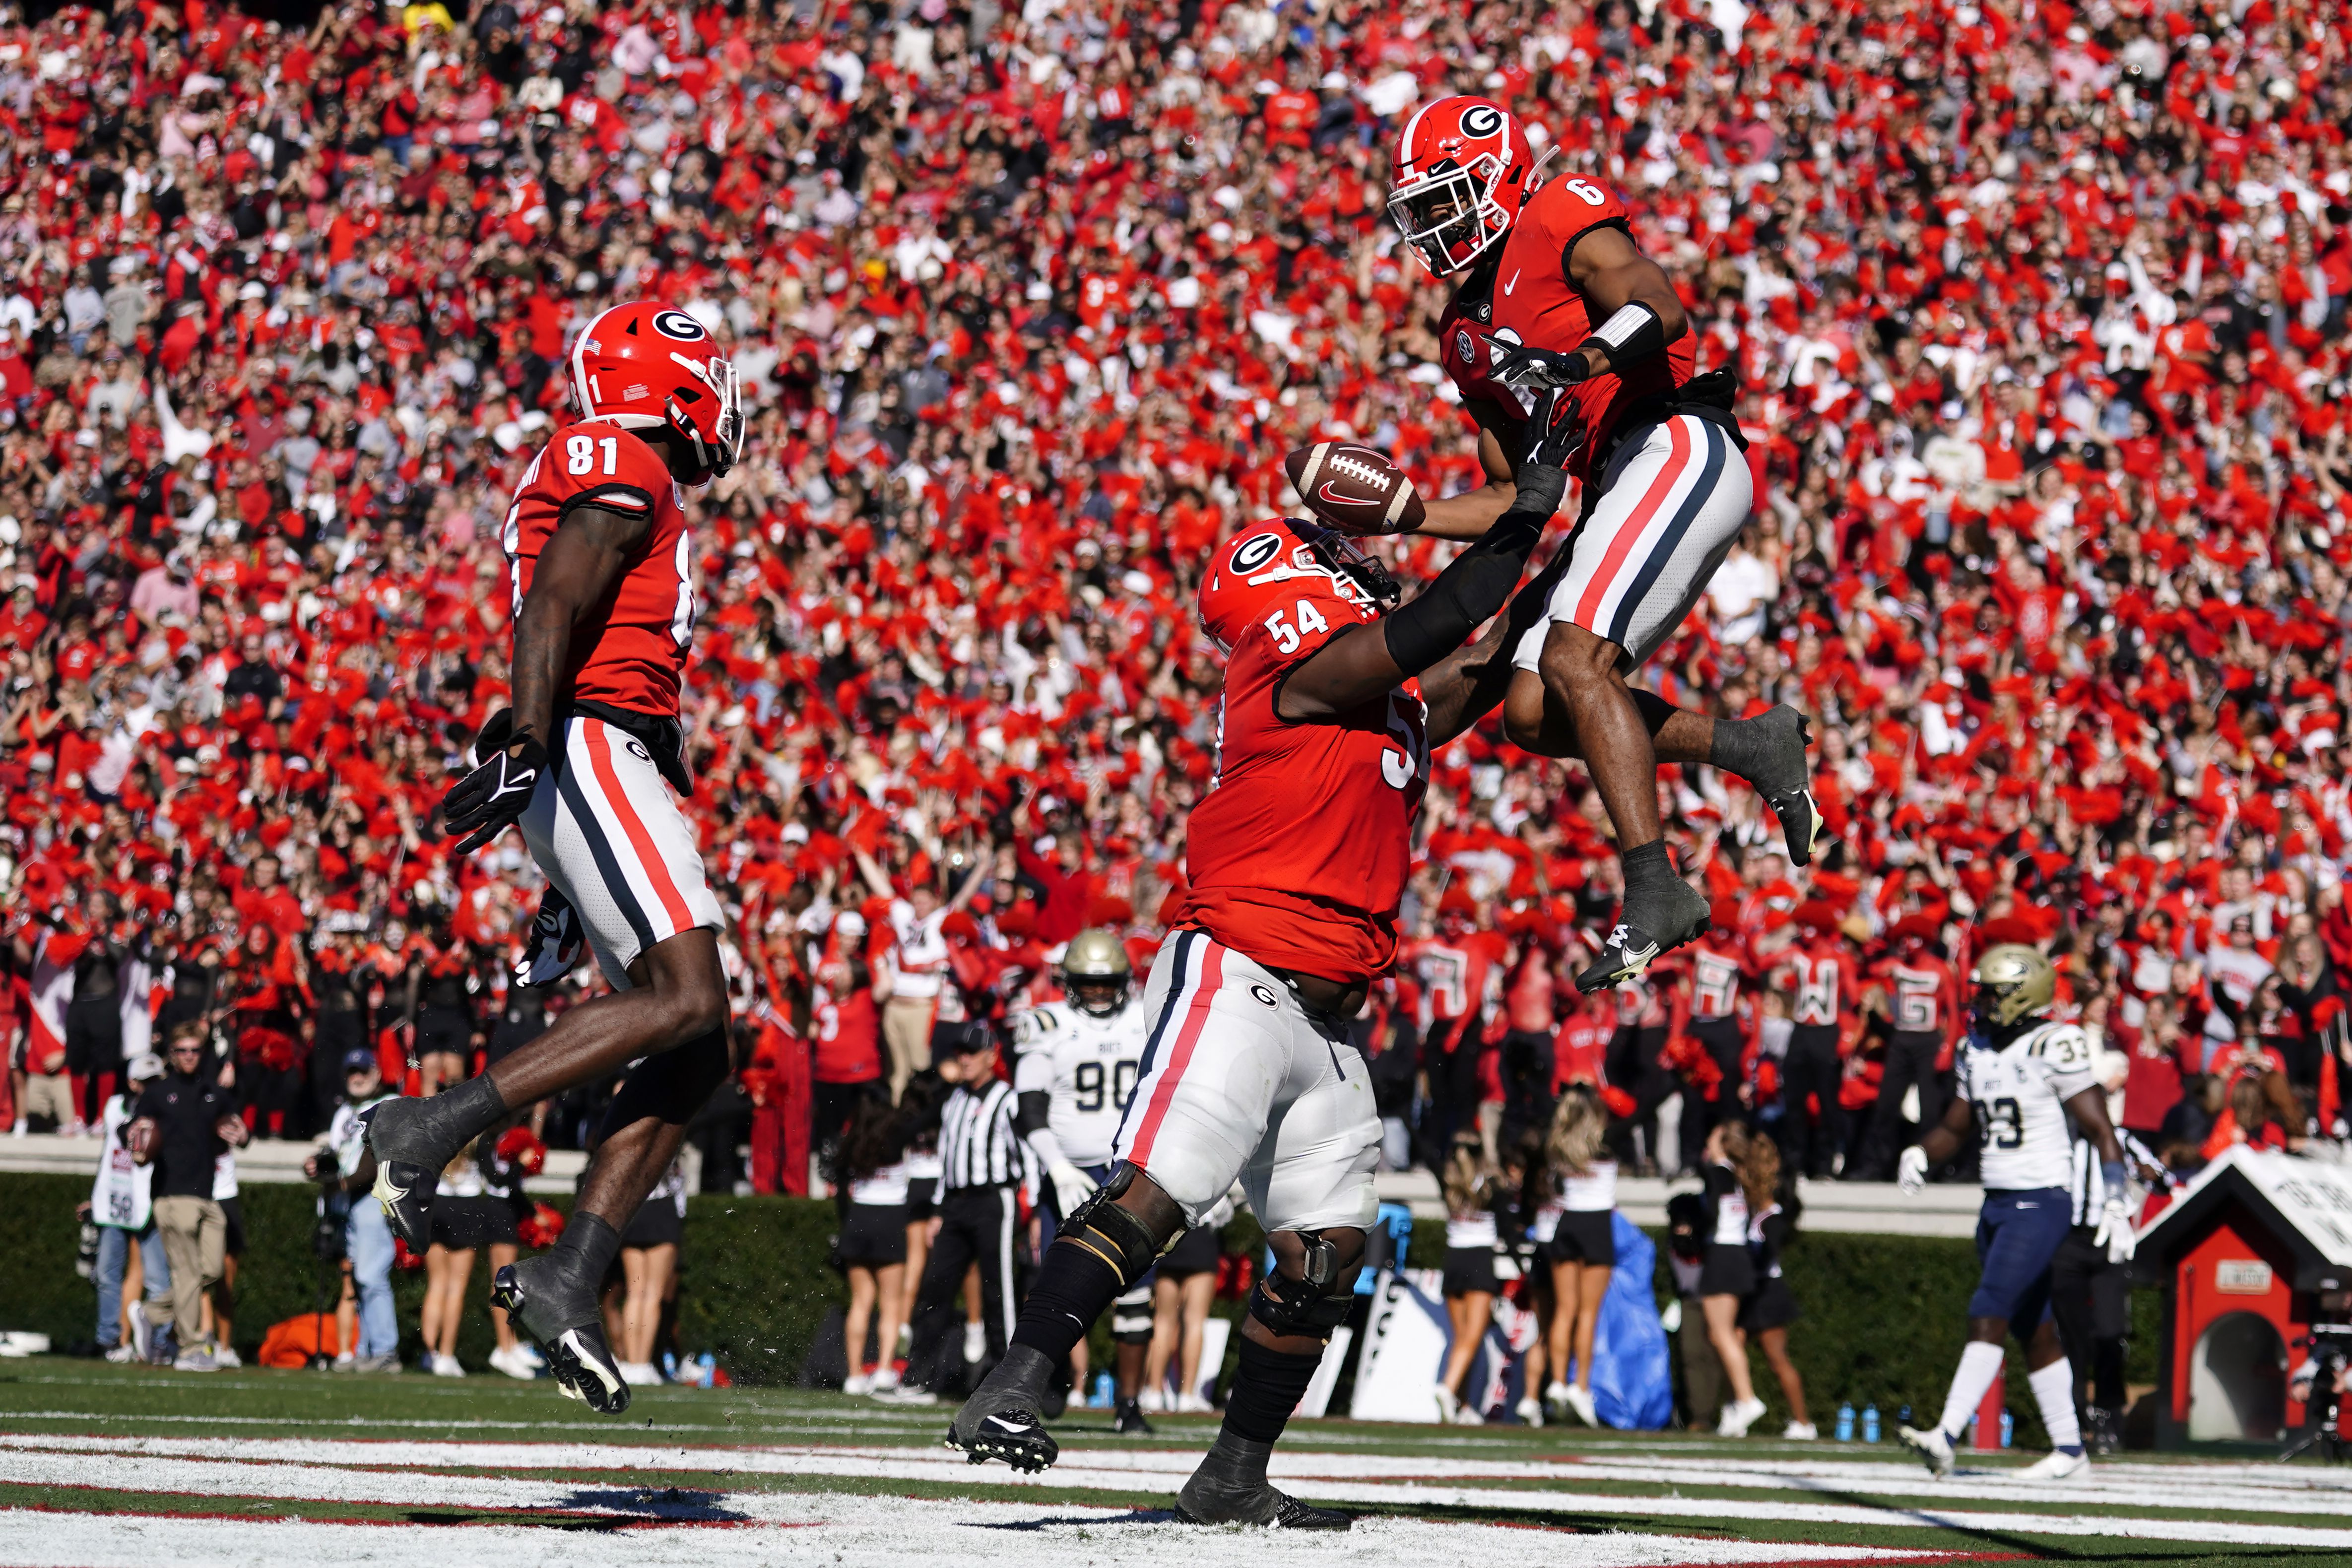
pixel 1076 1065
pixel 604 615
pixel 1296 860
pixel 1556 296
pixel 2020 1076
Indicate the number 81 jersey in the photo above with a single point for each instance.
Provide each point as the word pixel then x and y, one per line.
pixel 1091 1065
pixel 1298 855
pixel 2019 1094
pixel 634 657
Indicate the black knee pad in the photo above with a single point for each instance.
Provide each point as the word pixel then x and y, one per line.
pixel 672 1086
pixel 1313 1304
pixel 1124 1243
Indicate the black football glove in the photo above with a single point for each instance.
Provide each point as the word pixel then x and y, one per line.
pixel 1556 429
pixel 499 791
pixel 1523 365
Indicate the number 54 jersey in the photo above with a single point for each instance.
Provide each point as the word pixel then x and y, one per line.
pixel 1089 1066
pixel 634 657
pixel 1299 854
pixel 2019 1094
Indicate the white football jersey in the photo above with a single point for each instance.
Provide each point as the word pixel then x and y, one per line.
pixel 1089 1065
pixel 2020 1094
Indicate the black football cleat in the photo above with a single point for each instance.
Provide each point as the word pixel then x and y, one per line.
pixel 561 1317
pixel 1670 916
pixel 1004 1418
pixel 406 1173
pixel 1127 1419
pixel 1207 1502
pixel 1787 783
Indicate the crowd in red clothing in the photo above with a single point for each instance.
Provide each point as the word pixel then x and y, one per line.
pixel 2040 311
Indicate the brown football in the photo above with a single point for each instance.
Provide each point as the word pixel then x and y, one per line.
pixel 1354 489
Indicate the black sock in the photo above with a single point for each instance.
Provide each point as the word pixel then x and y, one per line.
pixel 1768 751
pixel 587 1247
pixel 1267 1387
pixel 1072 1288
pixel 1645 866
pixel 1655 709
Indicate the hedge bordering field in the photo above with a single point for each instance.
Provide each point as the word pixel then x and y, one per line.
pixel 1883 1315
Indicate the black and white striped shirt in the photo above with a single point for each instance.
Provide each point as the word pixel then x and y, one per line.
pixel 976 1142
pixel 2089 1185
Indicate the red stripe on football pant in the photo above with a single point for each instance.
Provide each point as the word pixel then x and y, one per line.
pixel 600 758
pixel 1196 1017
pixel 1621 546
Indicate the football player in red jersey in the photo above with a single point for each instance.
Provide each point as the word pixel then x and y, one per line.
pixel 1296 864
pixel 599 551
pixel 1929 1005
pixel 1556 296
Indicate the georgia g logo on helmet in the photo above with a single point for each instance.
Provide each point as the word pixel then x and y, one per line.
pixel 1463 169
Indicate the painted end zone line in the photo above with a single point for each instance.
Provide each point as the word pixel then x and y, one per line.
pixel 869 1532
pixel 308 1469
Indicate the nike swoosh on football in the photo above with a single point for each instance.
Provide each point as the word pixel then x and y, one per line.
pixel 1327 493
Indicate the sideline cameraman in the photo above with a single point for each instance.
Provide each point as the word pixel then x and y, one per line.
pixel 342 1167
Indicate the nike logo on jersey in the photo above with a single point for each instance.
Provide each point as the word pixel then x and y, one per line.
pixel 1514 283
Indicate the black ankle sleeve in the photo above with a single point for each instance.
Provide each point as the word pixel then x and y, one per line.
pixel 589 1244
pixel 1267 1386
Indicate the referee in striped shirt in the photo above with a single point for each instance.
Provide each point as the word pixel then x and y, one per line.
pixel 978 1212
pixel 2090 1294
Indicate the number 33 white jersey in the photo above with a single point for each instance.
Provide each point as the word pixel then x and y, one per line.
pixel 2019 1095
pixel 1088 1065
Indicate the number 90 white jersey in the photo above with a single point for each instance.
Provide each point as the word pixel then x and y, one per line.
pixel 1088 1065
pixel 2019 1094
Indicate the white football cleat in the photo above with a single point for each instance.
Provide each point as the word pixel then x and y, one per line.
pixel 1934 1449
pixel 1800 1432
pixel 2057 1466
pixel 1531 1411
pixel 1449 1408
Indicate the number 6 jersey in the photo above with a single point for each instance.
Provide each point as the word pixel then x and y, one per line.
pixel 2020 1094
pixel 1298 855
pixel 1088 1065
pixel 634 659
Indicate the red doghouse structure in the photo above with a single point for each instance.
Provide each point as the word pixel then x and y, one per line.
pixel 2244 1256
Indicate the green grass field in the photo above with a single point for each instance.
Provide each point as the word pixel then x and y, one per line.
pixel 100 1464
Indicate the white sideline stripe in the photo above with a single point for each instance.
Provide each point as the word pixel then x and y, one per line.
pixel 298 1463
pixel 856 1532
pixel 2294 1491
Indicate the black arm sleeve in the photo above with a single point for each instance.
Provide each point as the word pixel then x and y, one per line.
pixel 1032 1111
pixel 1476 583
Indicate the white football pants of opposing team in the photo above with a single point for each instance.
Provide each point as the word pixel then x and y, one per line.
pixel 1240 1081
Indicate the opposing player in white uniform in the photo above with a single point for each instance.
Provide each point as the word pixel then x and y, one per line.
pixel 1076 1066
pixel 2020 1076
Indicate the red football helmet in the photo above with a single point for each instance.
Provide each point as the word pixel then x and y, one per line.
pixel 646 365
pixel 1463 169
pixel 1246 572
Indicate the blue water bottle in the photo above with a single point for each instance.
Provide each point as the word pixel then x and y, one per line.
pixel 1845 1424
pixel 1870 1423
pixel 2008 1428
pixel 1101 1401
pixel 706 1370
